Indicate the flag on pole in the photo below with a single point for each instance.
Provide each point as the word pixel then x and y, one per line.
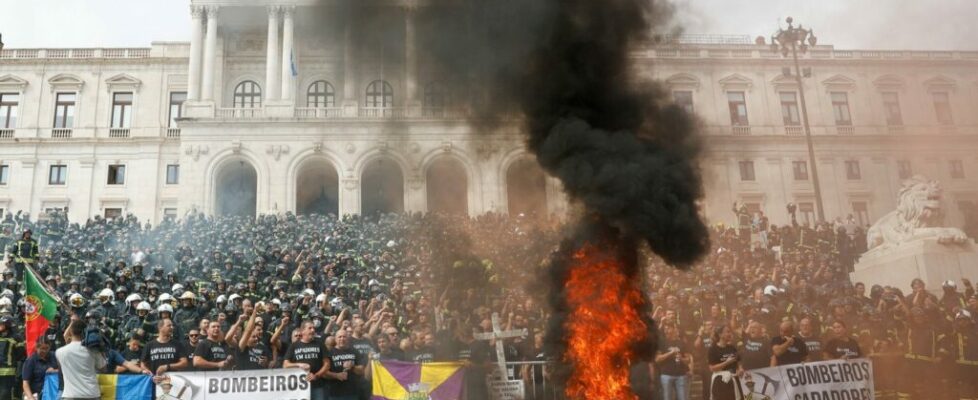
pixel 40 307
pixel 405 380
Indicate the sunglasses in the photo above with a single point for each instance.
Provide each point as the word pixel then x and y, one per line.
pixel 194 335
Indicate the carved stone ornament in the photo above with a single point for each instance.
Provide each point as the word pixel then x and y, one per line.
pixel 317 147
pixel 919 215
pixel 350 148
pixel 236 146
pixel 351 184
pixel 196 151
pixel 276 150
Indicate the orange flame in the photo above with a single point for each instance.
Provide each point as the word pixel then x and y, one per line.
pixel 603 324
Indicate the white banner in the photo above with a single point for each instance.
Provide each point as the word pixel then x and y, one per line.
pixel 824 380
pixel 262 384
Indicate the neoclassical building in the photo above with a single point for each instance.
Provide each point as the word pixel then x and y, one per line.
pixel 285 107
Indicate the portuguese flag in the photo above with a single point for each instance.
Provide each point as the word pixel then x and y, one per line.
pixel 39 308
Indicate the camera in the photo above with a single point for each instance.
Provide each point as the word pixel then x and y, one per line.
pixel 95 334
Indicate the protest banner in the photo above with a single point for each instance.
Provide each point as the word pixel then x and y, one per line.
pixel 824 380
pixel 263 384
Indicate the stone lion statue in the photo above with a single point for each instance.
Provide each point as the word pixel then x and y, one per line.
pixel 919 215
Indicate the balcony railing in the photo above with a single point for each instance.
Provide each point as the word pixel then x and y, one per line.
pixel 896 129
pixel 382 112
pixel 845 129
pixel 61 133
pixel 740 130
pixel 75 53
pixel 794 130
pixel 118 132
pixel 240 113
pixel 319 112
pixel 6 133
pixel 172 133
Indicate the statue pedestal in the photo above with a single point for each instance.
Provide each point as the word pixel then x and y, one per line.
pixel 925 259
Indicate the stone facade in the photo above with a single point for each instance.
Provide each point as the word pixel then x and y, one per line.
pixel 341 150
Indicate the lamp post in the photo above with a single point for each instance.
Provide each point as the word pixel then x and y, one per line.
pixel 1 42
pixel 793 40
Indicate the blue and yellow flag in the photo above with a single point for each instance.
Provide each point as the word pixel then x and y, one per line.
pixel 114 387
pixel 396 380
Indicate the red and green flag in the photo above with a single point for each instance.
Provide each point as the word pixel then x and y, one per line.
pixel 39 309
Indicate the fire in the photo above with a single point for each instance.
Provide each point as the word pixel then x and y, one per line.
pixel 603 325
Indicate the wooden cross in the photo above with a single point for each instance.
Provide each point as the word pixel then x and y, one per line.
pixel 499 334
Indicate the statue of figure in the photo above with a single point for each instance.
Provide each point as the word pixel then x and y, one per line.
pixel 919 215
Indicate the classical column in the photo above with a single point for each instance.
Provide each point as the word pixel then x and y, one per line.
pixel 271 56
pixel 288 51
pixel 210 54
pixel 196 29
pixel 349 68
pixel 410 58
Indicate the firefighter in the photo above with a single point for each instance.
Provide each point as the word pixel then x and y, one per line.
pixel 961 348
pixel 23 252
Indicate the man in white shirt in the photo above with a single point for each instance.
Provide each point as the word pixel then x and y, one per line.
pixel 79 365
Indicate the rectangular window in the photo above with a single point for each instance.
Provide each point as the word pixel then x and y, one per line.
pixel 789 109
pixel 891 105
pixel 957 169
pixel 113 213
pixel 64 110
pixel 738 108
pixel 852 170
pixel 942 106
pixel 746 170
pixel 4 176
pixel 170 213
pixel 840 108
pixel 807 211
pixel 172 174
pixel 800 169
pixel 8 110
pixel 176 108
pixel 904 170
pixel 684 99
pixel 121 110
pixel 117 175
pixel 58 174
pixel 861 209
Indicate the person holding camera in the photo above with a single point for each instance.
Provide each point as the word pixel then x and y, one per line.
pixel 79 365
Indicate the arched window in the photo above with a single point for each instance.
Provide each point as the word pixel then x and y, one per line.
pixel 247 95
pixel 435 99
pixel 380 94
pixel 320 95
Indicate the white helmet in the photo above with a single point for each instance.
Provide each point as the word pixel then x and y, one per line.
pixel 76 300
pixel 165 298
pixel 5 302
pixel 188 295
pixel 277 302
pixel 165 308
pixel 144 306
pixel 134 297
pixel 106 293
pixel 770 290
pixel 308 292
pixel 7 293
pixel 321 298
pixel 221 299
pixel 233 297
pixel 337 302
pixel 177 288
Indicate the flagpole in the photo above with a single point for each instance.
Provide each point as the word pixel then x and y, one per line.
pixel 44 284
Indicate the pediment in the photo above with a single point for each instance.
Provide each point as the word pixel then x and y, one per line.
pixel 12 82
pixel 66 82
pixel 940 82
pixel 840 82
pixel 683 80
pixel 734 81
pixel 889 82
pixel 122 82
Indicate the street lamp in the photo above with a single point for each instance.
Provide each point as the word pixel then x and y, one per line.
pixel 794 40
pixel 1 42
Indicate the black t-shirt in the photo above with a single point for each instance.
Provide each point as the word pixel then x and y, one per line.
pixel 156 354
pixel 814 346
pixel 337 357
pixel 837 348
pixel 311 353
pixel 796 353
pixel 423 355
pixel 363 347
pixel 251 357
pixel 718 354
pixel 674 366
pixel 755 353
pixel 211 351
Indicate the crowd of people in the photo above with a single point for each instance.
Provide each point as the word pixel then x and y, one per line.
pixel 327 294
